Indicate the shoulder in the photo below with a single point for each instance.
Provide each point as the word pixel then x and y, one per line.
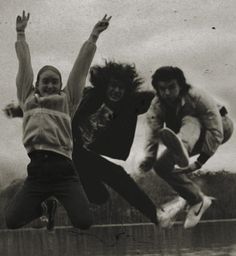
pixel 196 92
pixel 89 93
pixel 142 100
pixel 203 99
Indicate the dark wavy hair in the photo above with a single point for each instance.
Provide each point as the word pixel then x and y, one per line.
pixel 168 73
pixel 100 76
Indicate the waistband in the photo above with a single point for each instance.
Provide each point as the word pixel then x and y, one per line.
pixel 50 165
pixel 45 154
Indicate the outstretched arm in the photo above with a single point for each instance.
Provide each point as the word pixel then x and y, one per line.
pixel 24 79
pixel 78 74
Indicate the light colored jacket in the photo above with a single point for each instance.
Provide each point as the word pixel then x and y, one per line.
pixel 47 120
pixel 195 103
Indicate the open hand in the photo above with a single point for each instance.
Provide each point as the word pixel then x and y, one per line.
pixel 21 22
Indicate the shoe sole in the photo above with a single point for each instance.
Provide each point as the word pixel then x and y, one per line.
pixel 171 141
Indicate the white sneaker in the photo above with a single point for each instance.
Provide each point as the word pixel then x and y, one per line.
pixel 175 145
pixel 196 211
pixel 167 214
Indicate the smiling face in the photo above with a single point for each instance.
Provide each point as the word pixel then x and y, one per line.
pixel 115 91
pixel 168 90
pixel 49 83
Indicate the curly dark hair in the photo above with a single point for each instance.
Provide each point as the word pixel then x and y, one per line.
pixel 168 73
pixel 100 76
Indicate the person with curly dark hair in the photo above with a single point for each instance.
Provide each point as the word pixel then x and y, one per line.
pixel 195 125
pixel 104 125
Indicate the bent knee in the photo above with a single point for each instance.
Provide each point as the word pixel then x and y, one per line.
pixel 163 168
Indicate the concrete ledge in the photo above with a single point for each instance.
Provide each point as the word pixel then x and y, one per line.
pixel 126 239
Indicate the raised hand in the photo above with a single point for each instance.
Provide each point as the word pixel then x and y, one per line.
pixel 21 22
pixel 101 25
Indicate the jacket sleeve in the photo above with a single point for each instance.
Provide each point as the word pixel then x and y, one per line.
pixel 88 105
pixel 24 79
pixel 210 117
pixel 78 74
pixel 143 101
pixel 154 124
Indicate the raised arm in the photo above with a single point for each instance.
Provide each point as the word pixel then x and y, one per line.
pixel 24 79
pixel 78 74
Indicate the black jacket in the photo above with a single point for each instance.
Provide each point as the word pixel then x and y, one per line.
pixel 117 139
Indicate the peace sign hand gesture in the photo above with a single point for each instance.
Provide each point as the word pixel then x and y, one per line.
pixel 21 22
pixel 101 25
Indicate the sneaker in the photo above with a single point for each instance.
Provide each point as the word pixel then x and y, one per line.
pixel 51 210
pixel 196 211
pixel 175 145
pixel 168 212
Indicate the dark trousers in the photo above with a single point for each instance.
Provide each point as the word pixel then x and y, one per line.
pixel 182 184
pixel 96 171
pixel 49 174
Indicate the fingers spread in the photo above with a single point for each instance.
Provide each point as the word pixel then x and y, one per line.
pixel 108 19
pixel 104 17
pixel 18 18
pixel 23 17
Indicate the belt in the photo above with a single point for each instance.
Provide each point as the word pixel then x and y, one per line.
pixel 44 154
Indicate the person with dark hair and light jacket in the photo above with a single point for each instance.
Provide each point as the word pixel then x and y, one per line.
pixel 194 125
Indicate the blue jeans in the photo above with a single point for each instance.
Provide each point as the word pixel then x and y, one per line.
pixel 192 136
pixel 49 174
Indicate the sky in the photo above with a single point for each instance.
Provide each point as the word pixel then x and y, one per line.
pixel 197 36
